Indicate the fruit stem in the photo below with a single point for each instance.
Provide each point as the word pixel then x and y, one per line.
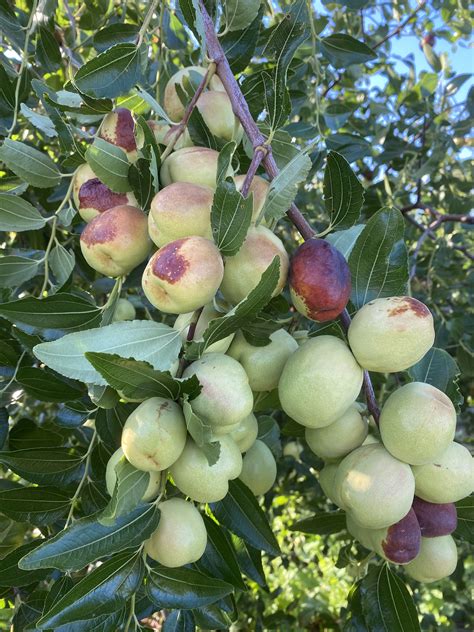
pixel 191 331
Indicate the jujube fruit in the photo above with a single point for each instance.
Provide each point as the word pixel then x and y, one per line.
pixel 216 110
pixel 391 334
pixel 202 482
pixel 435 519
pixel 183 275
pixel 154 435
pixel 375 487
pixel 438 558
pixel 118 128
pixel 181 535
pixel 339 438
pixel 111 477
pixel 263 365
pixel 116 241
pixel 124 310
pixel 164 135
pixel 259 469
pixel 319 382
pixel 208 313
pixel 449 478
pixel 245 432
pixel 243 271
pixel 327 480
pixel 320 280
pixel 197 165
pixel 226 397
pixel 180 210
pixel 417 423
pixel 171 100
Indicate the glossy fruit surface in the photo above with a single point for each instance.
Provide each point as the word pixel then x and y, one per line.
pixel 435 519
pixel 118 128
pixel 197 165
pixel 172 102
pixel 339 438
pixel 259 468
pixel 438 558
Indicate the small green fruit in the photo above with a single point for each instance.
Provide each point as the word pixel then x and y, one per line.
pixel 438 558
pixel 245 433
pixel 181 536
pixel 339 438
pixel 111 477
pixel 202 482
pixel 259 469
pixel 154 435
pixel 327 480
pixel 216 110
pixel 319 382
pixel 171 100
pixel 124 310
pixel 263 365
pixel 417 423
pixel 208 313
pixel 197 165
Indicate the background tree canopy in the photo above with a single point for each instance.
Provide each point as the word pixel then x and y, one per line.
pixel 367 107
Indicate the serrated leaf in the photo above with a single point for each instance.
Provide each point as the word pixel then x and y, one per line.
pixel 51 316
pixel 386 602
pixel 11 575
pixel 321 523
pixel 31 165
pixel 343 193
pixel 45 466
pixel 231 215
pixel 239 46
pixel 62 264
pixel 18 215
pixel 244 312
pixel 103 591
pixel 117 33
pixel 240 512
pixel 111 73
pixel 437 368
pixel 152 342
pixel 284 187
pixel 220 558
pixel 86 540
pixel 37 505
pixel 184 588
pixel 40 121
pixel 202 433
pixel 378 261
pixel 15 270
pixel 342 50
pixel 224 160
pixel 47 49
pixel 130 486
pixel 344 240
pixel 465 528
pixel 110 164
pixel 45 386
pixel 240 13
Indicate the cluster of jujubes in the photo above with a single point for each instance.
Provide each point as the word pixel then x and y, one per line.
pixel 318 378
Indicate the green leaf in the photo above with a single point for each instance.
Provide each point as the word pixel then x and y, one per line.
pixel 103 591
pixel 378 261
pixel 47 49
pixel 351 146
pixel 231 215
pixel 15 270
pixel 118 33
pixel 111 73
pixel 220 558
pixel 344 240
pixel 321 523
pixel 343 193
pixel 269 433
pixel 184 588
pixel 336 114
pixel 146 340
pixel 11 575
pixel 239 14
pixel 110 164
pixel 45 466
pixel 130 486
pixel 284 187
pixel 38 505
pixel 179 620
pixel 225 160
pixel 86 540
pixel 202 433
pixel 40 121
pixel 46 386
pixel 17 214
pixel 31 165
pixel 342 50
pixel 244 312
pixel 465 528
pixel 439 369
pixel 138 380
pixel 386 602
pixel 62 264
pixel 240 512
pixel 52 316
pixel 239 46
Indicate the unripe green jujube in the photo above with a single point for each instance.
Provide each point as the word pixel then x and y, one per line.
pixel 197 165
pixel 259 468
pixel 225 398
pixel 327 479
pixel 319 382
pixel 417 423
pixel 216 110
pixel 124 310
pixel 245 433
pixel 202 482
pixel 181 535
pixel 111 477
pixel 154 434
pixel 263 365
pixel 374 486
pixel 391 334
pixel 339 438
pixel 449 478
pixel 171 99
pixel 438 558
pixel 208 313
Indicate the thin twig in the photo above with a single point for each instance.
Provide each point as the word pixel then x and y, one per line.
pixel 257 158
pixel 191 331
pixel 77 493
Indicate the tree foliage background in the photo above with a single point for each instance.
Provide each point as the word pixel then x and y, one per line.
pixel 318 79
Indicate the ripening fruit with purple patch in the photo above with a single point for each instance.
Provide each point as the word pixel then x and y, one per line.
pixel 435 519
pixel 118 128
pixel 116 241
pixel 320 280
pixel 183 275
